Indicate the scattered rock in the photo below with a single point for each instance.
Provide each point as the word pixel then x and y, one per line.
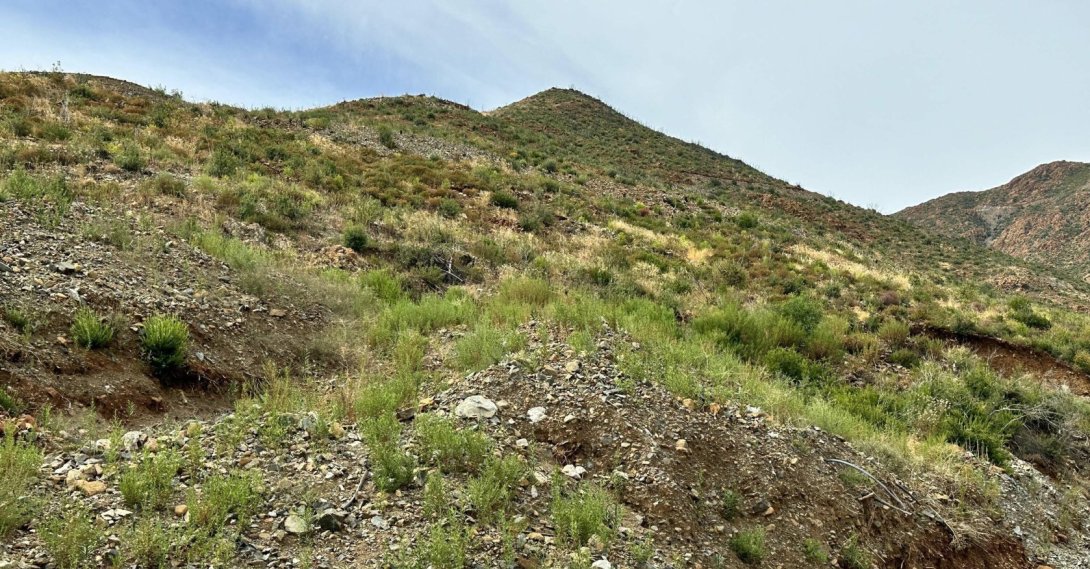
pixel 181 510
pixel 92 487
pixel 573 471
pixel 295 524
pixel 601 564
pixel 476 407
pixel 536 414
pixel 66 268
pixel 133 440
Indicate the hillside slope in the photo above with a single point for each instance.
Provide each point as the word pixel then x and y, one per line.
pixel 1042 215
pixel 399 332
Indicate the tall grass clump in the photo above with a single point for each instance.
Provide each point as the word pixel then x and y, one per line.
pixel 19 463
pixel 91 331
pixel 582 513
pixel 165 340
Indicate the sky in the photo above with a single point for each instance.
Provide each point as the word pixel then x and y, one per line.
pixel 882 104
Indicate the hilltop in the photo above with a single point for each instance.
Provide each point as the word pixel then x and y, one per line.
pixel 1041 215
pixel 398 332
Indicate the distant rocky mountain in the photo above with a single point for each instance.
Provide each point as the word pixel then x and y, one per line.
pixel 1042 215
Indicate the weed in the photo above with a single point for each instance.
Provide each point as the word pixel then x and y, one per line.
pixel 491 492
pixel 224 496
pixel 449 448
pixel 386 137
pixel 72 538
pixel 19 464
pixel 130 157
pixel 582 513
pixel 168 185
pixel 749 545
pixel 91 331
pixel 814 552
pixel 852 556
pixel 393 467
pixel 149 485
pixel 445 547
pixel 355 238
pixel 504 199
pixel 165 340
pixel 18 318
pixel 642 552
pixel 894 333
pixel 730 503
pixel 436 501
pixel 150 543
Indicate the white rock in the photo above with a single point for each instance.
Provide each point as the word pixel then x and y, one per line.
pixel 295 524
pixel 133 440
pixel 536 414
pixel 602 564
pixel 573 471
pixel 476 407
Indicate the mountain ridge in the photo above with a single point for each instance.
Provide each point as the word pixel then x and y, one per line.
pixel 1039 215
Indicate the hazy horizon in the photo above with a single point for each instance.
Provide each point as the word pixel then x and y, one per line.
pixel 880 106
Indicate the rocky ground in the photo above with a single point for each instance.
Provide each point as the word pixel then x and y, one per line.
pixel 578 422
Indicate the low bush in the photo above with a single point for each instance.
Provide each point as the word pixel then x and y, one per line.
pixel 504 199
pixel 165 340
pixel 490 493
pixel 749 545
pixel 449 448
pixel 71 538
pixel 149 485
pixel 91 331
pixel 222 498
pixel 19 463
pixel 356 239
pixel 582 513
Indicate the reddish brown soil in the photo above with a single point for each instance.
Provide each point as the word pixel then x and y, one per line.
pixel 1013 360
pixel 676 493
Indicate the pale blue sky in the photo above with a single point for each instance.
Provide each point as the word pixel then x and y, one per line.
pixel 877 103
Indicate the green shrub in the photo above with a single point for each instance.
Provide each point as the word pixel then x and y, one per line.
pixel 150 543
pixel 815 552
pixel 356 239
pixel 18 318
pixel 490 493
pixel 730 503
pixel 804 311
pixel 449 448
pixel 386 137
pixel 72 538
pixel 582 513
pixel 165 340
pixel 149 485
pixel 130 157
pixel 168 185
pixel 393 467
pixel 436 499
pixel 788 363
pixel 223 497
pixel 386 285
pixel 905 357
pixel 445 546
pixel 9 403
pixel 91 331
pixel 504 199
pixel 746 220
pixel 894 332
pixel 853 557
pixel 1032 319
pixel 749 545
pixel 222 163
pixel 19 463
pixel 449 208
